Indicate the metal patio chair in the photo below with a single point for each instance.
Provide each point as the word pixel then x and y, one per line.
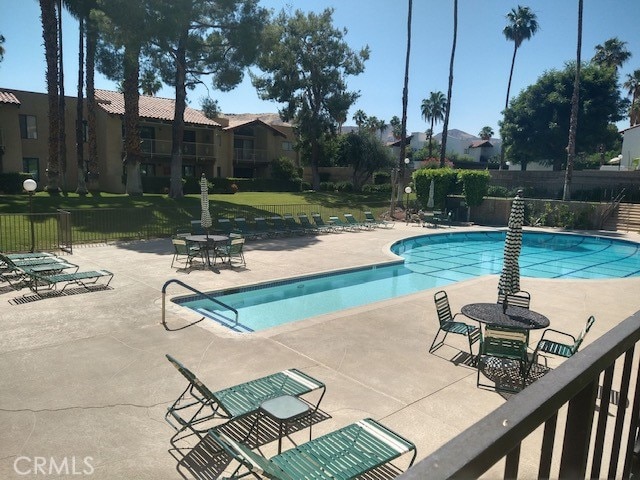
pixel 449 324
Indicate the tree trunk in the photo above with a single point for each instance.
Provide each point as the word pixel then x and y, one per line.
pixel 132 155
pixel 395 188
pixel 506 102
pixel 92 168
pixel 177 129
pixel 81 187
pixel 315 157
pixel 62 126
pixel 49 34
pixel 573 121
pixel 445 126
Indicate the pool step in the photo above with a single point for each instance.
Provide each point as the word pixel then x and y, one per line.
pixel 625 218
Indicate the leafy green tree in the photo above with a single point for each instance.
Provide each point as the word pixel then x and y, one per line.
pixel 305 61
pixel 445 123
pixel 632 85
pixel 475 185
pixel 197 38
pixel 613 53
pixel 365 153
pixel 536 124
pixel 486 133
pixel 573 119
pixel 433 110
pixel 210 107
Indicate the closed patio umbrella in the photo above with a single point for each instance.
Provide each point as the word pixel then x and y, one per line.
pixel 430 201
pixel 510 277
pixel 205 216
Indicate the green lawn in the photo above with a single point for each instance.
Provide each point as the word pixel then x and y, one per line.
pixel 43 202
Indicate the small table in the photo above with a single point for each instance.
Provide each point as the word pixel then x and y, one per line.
pixel 284 410
pixel 514 317
pixel 207 241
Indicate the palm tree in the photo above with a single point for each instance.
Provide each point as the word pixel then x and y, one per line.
pixel 61 111
pixel 50 36
pixel 149 83
pixel 445 125
pixel 381 126
pixel 523 24
pixel 403 122
pixel 613 53
pixel 632 85
pixel 486 133
pixel 573 120
pixel 360 118
pixel 433 109
pixel 395 127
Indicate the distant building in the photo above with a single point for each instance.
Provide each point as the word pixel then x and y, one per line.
pixel 232 145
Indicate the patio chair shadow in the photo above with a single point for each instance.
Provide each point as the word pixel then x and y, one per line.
pixel 45 294
pixel 506 374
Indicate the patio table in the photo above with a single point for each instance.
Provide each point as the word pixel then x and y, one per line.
pixel 514 317
pixel 208 242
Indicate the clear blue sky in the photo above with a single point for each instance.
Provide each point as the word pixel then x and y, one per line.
pixel 482 60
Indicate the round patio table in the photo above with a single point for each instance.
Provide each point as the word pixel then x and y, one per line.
pixel 514 317
pixel 208 242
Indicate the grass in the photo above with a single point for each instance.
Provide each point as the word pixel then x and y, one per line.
pixel 107 217
pixel 43 202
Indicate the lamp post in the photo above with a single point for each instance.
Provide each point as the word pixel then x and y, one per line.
pixel 407 190
pixel 30 186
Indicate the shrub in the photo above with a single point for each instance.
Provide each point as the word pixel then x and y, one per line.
pixel 475 184
pixel 344 187
pixel 385 188
pixel 11 183
pixel 283 168
pixel 444 182
pixel 380 178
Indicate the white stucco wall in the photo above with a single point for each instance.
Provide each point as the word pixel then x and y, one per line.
pixel 630 147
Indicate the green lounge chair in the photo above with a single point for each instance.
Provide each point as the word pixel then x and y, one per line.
pixel 15 271
pixel 369 218
pixel 307 225
pixel 197 405
pixel 339 225
pixel 224 226
pixel 321 224
pixel 241 225
pixel 351 220
pixel 278 225
pixel 263 227
pixel 83 279
pixel 343 454
pixel 292 226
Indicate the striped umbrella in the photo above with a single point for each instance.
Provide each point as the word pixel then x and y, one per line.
pixel 205 216
pixel 510 276
pixel 430 202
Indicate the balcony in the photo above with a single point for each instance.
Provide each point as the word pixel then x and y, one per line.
pixel 162 148
pixel 580 420
pixel 250 156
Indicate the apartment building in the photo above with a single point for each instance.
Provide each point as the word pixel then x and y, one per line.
pixel 229 146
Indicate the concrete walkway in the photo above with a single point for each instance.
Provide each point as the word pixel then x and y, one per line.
pixel 84 377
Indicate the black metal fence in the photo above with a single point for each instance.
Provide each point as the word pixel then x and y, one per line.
pixel 62 229
pixel 578 421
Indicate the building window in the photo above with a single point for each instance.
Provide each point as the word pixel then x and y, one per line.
pixel 32 166
pixel 188 171
pixel 218 172
pixel 287 146
pixel 28 127
pixel 147 170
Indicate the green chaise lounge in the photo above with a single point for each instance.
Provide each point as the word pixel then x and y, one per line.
pixel 343 454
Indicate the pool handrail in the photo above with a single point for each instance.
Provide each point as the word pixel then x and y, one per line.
pixel 196 291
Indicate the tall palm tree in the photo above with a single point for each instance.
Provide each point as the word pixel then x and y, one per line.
pixel 613 53
pixel 149 83
pixel 395 127
pixel 433 109
pixel 62 146
pixel 573 120
pixel 445 125
pixel 522 25
pixel 1 48
pixel 360 118
pixel 632 85
pixel 50 36
pixel 381 126
pixel 403 123
pixel 486 133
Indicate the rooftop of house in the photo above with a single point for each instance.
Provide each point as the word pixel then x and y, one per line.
pixel 8 97
pixel 151 107
pixel 480 144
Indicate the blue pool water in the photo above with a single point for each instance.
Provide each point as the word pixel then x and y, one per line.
pixel 429 261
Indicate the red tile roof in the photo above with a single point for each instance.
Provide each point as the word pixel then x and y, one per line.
pixel 6 97
pixel 150 107
pixel 238 122
pixel 481 143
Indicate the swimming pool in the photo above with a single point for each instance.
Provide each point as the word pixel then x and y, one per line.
pixel 429 261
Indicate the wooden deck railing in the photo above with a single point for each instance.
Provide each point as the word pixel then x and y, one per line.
pixel 578 421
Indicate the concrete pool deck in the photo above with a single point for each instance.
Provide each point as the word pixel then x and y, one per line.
pixel 85 376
